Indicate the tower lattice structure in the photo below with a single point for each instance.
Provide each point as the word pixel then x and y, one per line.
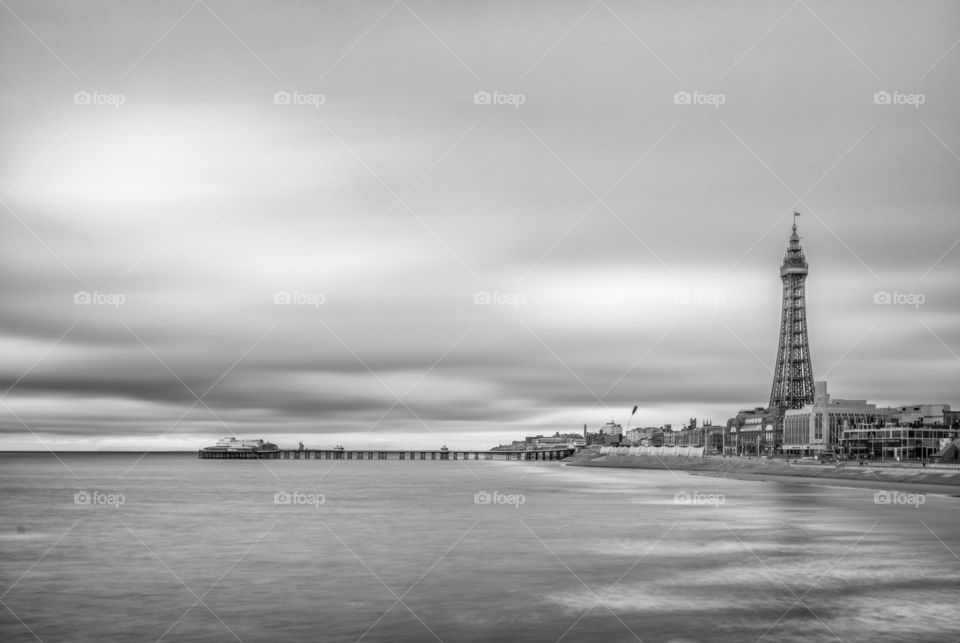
pixel 793 377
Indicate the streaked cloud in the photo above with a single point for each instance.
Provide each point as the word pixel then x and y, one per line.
pixel 303 266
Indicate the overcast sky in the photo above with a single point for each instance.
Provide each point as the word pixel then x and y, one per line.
pixel 169 172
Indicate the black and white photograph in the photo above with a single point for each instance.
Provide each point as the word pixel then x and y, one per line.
pixel 433 320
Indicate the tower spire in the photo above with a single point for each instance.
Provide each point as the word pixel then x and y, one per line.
pixel 793 376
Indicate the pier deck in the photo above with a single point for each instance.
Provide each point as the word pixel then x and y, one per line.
pixel 338 454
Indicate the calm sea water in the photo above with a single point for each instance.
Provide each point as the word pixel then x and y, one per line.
pixel 177 549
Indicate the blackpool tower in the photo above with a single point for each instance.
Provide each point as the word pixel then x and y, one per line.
pixel 793 377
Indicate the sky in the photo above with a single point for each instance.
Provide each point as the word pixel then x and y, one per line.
pixel 424 223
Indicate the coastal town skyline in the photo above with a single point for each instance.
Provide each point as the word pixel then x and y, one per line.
pixel 393 234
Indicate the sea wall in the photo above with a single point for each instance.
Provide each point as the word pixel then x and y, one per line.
pixel 680 452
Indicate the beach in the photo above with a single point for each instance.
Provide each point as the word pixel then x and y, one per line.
pixel 908 478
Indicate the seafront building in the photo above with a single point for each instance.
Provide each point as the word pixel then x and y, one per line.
pixel 708 436
pixel 895 442
pixel 910 432
pixel 927 415
pixel 753 432
pixel 855 429
pixel 816 429
pixel 651 436
pixel 610 434
pixel 612 428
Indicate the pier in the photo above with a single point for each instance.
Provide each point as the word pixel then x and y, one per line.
pixel 557 453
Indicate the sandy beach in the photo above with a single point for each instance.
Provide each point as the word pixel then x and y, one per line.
pixel 913 479
pixel 946 487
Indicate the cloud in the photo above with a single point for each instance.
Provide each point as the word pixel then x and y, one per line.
pixel 635 241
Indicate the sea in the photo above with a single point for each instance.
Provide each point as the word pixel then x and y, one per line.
pixel 166 547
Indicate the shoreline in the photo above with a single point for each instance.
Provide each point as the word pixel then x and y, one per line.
pixel 948 489
pixel 927 480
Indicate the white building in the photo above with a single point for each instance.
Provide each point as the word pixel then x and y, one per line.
pixel 611 428
pixel 926 414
